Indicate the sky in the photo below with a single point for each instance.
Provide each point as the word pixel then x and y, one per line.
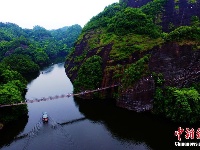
pixel 50 14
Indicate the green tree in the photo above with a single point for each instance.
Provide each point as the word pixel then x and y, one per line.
pixel 40 57
pixel 180 105
pixel 12 85
pixel 89 74
pixel 21 63
pixel 9 93
pixel 134 72
pixel 132 20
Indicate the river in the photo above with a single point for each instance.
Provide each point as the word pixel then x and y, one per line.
pixel 85 124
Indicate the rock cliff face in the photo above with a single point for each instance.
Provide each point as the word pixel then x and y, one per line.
pixel 79 51
pixel 179 13
pixel 175 13
pixel 178 63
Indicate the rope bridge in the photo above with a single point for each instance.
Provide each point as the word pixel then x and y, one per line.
pixel 57 97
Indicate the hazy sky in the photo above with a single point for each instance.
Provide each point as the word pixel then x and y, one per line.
pixel 50 14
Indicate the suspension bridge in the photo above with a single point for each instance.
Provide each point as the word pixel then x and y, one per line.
pixel 57 96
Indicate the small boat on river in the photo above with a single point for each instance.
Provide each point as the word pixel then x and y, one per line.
pixel 45 117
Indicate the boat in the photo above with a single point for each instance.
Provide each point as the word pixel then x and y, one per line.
pixel 45 117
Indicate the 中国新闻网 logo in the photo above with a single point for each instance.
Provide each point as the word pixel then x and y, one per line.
pixel 189 134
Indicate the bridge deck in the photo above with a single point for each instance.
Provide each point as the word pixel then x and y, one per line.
pixel 57 97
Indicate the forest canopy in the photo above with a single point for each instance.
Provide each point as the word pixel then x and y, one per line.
pixel 43 46
pixel 25 51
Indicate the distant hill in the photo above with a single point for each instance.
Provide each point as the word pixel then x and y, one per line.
pixel 41 44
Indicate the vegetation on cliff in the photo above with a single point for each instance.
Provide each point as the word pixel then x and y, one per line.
pixel 191 33
pixel 89 75
pixel 133 20
pixel 132 34
pixel 134 72
pixel 128 29
pixel 178 104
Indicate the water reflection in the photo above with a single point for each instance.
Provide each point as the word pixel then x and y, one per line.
pixel 31 77
pixel 60 65
pixel 17 118
pixel 130 126
pixel 47 70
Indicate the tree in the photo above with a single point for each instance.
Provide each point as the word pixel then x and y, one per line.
pixel 89 74
pixel 21 63
pixel 180 105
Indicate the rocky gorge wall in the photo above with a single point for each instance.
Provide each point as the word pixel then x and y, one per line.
pixel 180 67
pixel 175 13
pixel 179 13
pixel 179 64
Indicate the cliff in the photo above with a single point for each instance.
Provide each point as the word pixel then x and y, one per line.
pixel 180 67
pixel 134 51
pixel 175 13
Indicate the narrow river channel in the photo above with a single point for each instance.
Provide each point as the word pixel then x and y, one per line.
pixel 85 124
